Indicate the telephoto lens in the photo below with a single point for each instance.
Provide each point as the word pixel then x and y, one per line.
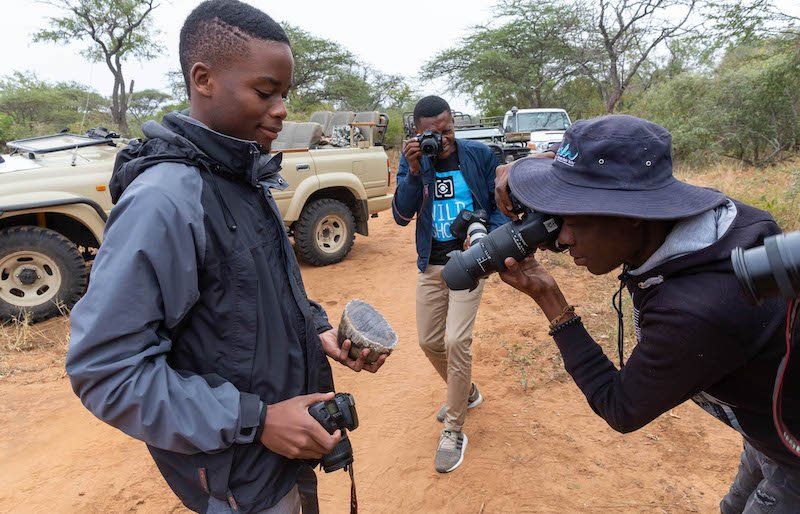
pixel 470 225
pixel 337 414
pixel 769 271
pixel 516 239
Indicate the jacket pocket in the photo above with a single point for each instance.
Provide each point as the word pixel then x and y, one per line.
pixel 193 478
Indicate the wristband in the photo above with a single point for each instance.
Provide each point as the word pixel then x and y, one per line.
pixel 567 313
pixel 574 320
pixel 262 420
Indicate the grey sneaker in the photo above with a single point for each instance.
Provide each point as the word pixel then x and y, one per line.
pixel 450 453
pixel 475 399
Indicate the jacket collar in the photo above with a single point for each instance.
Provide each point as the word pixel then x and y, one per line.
pixel 232 157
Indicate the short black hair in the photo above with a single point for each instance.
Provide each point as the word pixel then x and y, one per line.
pixel 218 30
pixel 430 107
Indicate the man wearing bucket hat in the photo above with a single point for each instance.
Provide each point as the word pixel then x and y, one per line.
pixel 698 338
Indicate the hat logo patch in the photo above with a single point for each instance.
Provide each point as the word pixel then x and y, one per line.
pixel 566 155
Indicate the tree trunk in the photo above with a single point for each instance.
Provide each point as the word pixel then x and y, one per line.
pixel 613 100
pixel 118 111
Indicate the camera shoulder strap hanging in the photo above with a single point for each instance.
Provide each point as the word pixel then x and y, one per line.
pixel 353 497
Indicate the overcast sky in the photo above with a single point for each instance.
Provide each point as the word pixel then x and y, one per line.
pixel 394 37
pixel 391 36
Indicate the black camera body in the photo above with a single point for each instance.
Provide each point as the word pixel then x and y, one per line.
pixel 516 239
pixel 430 143
pixel 470 225
pixel 337 414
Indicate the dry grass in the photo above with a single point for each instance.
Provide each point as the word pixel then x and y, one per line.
pixel 20 334
pixel 17 335
pixel 27 347
pixel 774 188
pixel 533 362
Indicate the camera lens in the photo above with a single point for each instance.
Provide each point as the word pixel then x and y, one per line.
pixel 339 457
pixel 769 271
pixel 516 239
pixel 428 146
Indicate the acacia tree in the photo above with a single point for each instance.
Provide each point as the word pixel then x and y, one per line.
pixel 327 73
pixel 627 33
pixel 146 103
pixel 34 103
pixel 115 30
pixel 520 59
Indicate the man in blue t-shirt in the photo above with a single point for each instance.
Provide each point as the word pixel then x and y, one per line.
pixel 435 190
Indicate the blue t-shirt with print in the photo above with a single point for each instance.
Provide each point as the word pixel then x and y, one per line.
pixel 451 196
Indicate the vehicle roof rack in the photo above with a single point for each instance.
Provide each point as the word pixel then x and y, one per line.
pixel 55 143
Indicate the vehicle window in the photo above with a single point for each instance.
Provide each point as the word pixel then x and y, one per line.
pixel 532 121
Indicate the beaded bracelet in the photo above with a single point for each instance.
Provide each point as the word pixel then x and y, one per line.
pixel 571 321
pixel 568 312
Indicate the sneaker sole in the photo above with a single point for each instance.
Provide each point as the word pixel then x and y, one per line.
pixel 478 401
pixel 472 405
pixel 460 459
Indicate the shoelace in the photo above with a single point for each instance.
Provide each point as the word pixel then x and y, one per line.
pixel 449 441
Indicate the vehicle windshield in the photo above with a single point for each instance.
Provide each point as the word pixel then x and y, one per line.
pixel 533 121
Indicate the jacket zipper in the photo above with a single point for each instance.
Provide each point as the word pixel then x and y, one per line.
pixel 269 211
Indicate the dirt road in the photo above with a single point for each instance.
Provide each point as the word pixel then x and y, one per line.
pixel 534 445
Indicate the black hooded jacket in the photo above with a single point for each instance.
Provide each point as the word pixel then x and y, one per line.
pixel 699 339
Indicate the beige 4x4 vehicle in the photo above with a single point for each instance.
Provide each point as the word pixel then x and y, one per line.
pixel 54 203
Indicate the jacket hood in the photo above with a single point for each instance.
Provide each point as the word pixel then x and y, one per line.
pixel 693 246
pixel 182 139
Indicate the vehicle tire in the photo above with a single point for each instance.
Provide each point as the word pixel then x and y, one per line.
pixel 325 232
pixel 41 273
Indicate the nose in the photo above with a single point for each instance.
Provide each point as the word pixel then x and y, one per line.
pixel 565 237
pixel 278 110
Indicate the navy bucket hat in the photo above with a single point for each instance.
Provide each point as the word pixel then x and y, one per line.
pixel 613 166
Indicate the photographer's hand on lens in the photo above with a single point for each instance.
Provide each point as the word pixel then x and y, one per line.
pixel 412 153
pixel 531 278
pixel 502 193
pixel 331 346
pixel 289 429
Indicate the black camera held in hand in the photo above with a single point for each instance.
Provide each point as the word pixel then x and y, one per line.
pixel 337 414
pixel 430 143
pixel 773 271
pixel 516 239
pixel 470 225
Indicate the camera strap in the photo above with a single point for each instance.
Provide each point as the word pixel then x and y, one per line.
pixel 353 497
pixel 792 335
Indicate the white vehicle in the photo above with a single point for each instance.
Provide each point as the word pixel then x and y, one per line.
pixel 545 126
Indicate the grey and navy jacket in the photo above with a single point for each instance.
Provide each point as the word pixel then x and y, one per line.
pixel 196 315
pixel 414 194
pixel 698 339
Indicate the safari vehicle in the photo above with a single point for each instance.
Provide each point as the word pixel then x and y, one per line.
pixel 539 128
pixel 54 204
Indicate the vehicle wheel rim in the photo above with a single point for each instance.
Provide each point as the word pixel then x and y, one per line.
pixel 28 279
pixel 331 234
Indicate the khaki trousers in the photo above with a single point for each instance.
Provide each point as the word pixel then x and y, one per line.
pixel 444 326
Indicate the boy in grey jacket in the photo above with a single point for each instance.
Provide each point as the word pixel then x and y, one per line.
pixel 196 335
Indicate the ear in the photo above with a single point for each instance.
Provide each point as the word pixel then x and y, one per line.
pixel 200 79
